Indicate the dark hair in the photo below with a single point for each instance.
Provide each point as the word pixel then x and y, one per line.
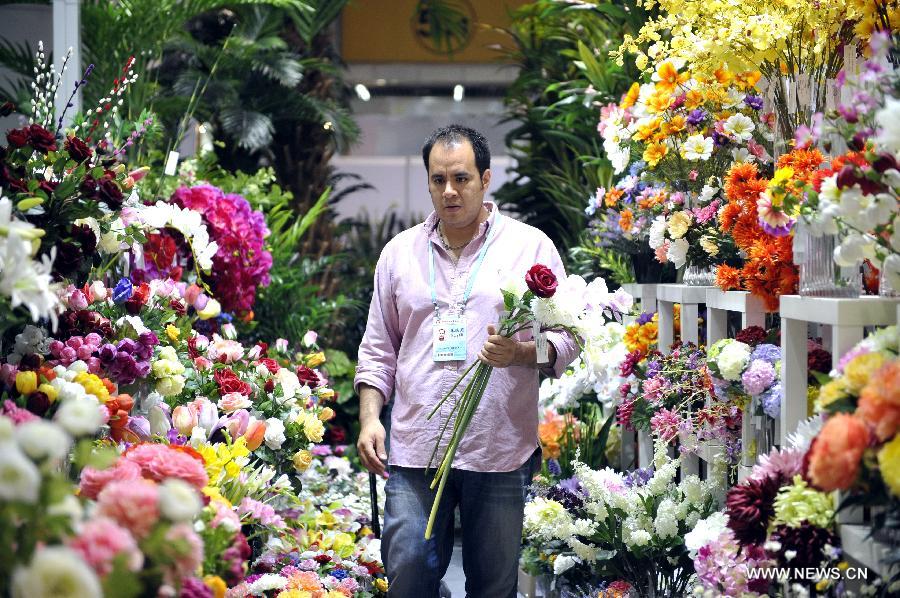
pixel 455 134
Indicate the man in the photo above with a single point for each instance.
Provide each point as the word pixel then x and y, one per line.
pixel 471 246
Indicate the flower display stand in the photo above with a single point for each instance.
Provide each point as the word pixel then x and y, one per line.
pixel 690 298
pixel 644 295
pixel 847 317
pixel 645 448
pixel 753 313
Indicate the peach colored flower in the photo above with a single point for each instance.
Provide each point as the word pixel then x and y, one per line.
pixel 836 452
pixel 256 432
pixel 224 350
pixel 133 504
pixel 93 481
pixel 184 419
pixel 102 540
pixel 304 580
pixel 233 401
pixel 879 401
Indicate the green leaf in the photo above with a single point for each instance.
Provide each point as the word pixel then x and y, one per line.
pixel 509 300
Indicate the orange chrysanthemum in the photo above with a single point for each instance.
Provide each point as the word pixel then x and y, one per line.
pixel 728 216
pixel 728 278
pixel 626 220
pixel 803 161
pixel 612 197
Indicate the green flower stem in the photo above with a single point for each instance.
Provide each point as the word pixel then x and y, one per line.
pixel 474 392
pixel 452 388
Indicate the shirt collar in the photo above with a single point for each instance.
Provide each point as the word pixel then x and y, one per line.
pixel 431 222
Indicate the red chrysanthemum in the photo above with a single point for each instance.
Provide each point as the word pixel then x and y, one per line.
pixel 750 506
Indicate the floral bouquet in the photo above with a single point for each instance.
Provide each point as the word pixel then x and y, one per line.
pixel 686 129
pixel 571 304
pixel 602 525
pixel 750 370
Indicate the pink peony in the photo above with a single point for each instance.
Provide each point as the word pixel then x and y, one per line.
pixel 102 540
pixel 93 481
pixel 134 504
pixel 159 462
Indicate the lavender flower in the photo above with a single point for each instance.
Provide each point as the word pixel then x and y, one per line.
pixel 554 468
pixel 754 102
pixel 696 117
pixel 645 317
pixel 766 352
pixel 771 401
pixel 638 477
pixel 758 377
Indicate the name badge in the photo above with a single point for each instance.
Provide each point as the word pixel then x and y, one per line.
pixel 449 338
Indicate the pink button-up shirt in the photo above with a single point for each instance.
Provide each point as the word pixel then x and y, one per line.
pixel 396 352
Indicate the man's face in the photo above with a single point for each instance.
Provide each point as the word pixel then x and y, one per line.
pixel 457 191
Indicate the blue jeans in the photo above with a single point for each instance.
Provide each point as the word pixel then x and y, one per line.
pixel 491 507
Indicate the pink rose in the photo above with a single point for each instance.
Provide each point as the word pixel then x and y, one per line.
pixel 202 363
pixel 102 540
pixel 133 504
pixel 224 350
pixel 159 462
pixel 233 401
pixel 93 481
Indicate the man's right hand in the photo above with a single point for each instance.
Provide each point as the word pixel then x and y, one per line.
pixel 370 447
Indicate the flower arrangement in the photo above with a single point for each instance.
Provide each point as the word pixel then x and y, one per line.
pixel 602 525
pixel 685 128
pixel 748 370
pixel 768 270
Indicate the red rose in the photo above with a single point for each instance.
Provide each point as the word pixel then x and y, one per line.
pixel 541 280
pixel 228 382
pixel 109 193
pixel 270 385
pixel 78 149
pixel 41 139
pixel 17 137
pixel 270 364
pixel 307 376
pixel 138 298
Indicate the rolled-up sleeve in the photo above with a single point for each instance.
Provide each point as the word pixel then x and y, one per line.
pixel 377 360
pixel 567 348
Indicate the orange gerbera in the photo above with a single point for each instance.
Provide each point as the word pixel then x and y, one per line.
pixel 728 278
pixel 738 178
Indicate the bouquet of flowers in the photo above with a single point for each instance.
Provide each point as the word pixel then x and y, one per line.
pixel 684 128
pixel 571 304
pixel 751 370
pixel 602 525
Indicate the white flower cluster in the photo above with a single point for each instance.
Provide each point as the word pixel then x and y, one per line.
pixel 31 340
pixel 732 360
pixel 581 306
pixel 25 281
pixel 80 413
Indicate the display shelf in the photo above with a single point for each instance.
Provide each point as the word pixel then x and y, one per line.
pixel 644 295
pixel 690 298
pixel 847 317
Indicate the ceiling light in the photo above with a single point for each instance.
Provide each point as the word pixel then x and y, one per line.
pixel 458 92
pixel 363 92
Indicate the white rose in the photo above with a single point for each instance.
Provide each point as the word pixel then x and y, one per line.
pixel 80 416
pixel 677 253
pixel 563 563
pixel 274 436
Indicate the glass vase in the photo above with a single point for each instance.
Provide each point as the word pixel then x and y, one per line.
pixel 699 276
pixel 820 276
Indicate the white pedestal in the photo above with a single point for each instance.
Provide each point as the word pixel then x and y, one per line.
pixel 645 448
pixel 644 294
pixel 690 298
pixel 846 316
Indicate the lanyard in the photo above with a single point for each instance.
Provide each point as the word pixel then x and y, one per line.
pixel 472 274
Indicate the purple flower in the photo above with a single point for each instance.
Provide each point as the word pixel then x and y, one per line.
pixel 645 317
pixel 122 292
pixel 554 468
pixel 766 352
pixel 638 477
pixel 720 139
pixel 696 117
pixel 754 102
pixel 108 353
pixel 758 377
pixel 771 401
pixel 127 345
pixel 149 339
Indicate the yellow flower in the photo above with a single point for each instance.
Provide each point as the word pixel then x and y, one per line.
pixel 302 460
pixel 889 463
pixel 709 246
pixel 782 175
pixel 313 428
pixel 654 153
pixel 631 97
pixel 860 369
pixel 93 385
pixel 678 224
pixel 647 130
pixel 216 584
pixel 26 382
pixel 212 309
pixel 723 76
pixel 381 584
pixel 173 333
pixel 677 124
pixel 316 359
pixel 325 393
pixel 295 593
pixel 326 414
pixel 831 391
pixel 659 101
pixel 693 99
pixel 49 390
pixel 747 79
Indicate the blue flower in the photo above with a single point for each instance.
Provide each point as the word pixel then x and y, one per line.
pixel 771 401
pixel 339 574
pixel 553 467
pixel 123 291
pixel 766 352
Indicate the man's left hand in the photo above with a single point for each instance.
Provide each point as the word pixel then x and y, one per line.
pixel 498 351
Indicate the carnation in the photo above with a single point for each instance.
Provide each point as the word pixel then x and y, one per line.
pixel 101 540
pixel 178 500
